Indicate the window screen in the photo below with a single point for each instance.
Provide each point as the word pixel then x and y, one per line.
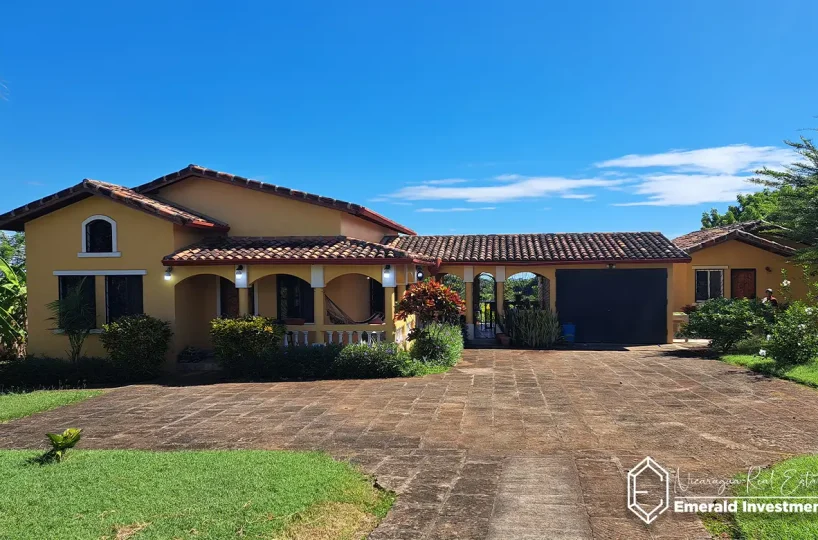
pixel 709 284
pixel 124 294
pixel 84 304
pixel 99 237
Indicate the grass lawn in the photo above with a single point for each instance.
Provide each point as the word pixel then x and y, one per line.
pixel 803 373
pixel 19 405
pixel 794 477
pixel 205 494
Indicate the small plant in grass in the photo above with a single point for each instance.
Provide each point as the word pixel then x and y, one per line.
pixel 438 344
pixel 793 338
pixel 60 444
pixel 725 322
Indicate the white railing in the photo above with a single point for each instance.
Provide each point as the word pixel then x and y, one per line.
pixel 299 336
pixel 369 337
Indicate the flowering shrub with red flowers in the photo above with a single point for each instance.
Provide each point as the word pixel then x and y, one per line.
pixel 430 302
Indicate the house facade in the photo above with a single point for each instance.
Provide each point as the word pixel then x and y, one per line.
pixel 199 244
pixel 741 260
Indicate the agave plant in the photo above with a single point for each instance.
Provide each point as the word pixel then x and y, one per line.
pixel 61 442
pixel 12 309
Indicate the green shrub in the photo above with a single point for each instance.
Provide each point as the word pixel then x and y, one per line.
pixel 793 338
pixel 137 344
pixel 535 328
pixel 37 372
pixel 751 345
pixel 438 344
pixel 306 362
pixel 725 322
pixel 192 355
pixel 245 346
pixel 363 361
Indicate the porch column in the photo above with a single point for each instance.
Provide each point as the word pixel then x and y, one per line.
pixel 244 301
pixel 319 309
pixel 468 279
pixel 320 314
pixel 500 282
pixel 389 308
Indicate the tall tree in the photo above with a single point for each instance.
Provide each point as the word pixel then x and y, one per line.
pixel 797 192
pixel 13 249
pixel 760 205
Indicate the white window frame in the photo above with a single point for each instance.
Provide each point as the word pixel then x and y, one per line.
pixel 113 252
pixel 708 269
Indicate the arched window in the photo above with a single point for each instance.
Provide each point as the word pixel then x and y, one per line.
pixel 99 237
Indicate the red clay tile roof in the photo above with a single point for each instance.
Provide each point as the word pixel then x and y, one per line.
pixel 289 249
pixel 743 232
pixel 16 219
pixel 350 208
pixel 544 248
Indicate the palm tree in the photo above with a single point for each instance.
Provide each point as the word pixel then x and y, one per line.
pixel 74 316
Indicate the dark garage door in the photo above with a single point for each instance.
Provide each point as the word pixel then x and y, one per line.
pixel 614 306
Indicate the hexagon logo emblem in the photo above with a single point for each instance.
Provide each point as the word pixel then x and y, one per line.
pixel 648 490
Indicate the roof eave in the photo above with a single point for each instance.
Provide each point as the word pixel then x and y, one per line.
pixel 228 262
pixel 568 262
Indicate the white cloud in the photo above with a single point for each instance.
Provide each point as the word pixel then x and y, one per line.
pixel 459 209
pixel 728 160
pixel 513 188
pixel 445 182
pixel 689 189
pixel 579 196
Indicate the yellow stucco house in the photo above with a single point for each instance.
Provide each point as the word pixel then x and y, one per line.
pixel 198 244
pixel 741 260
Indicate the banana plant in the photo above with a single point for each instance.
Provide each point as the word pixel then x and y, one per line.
pixel 61 442
pixel 13 293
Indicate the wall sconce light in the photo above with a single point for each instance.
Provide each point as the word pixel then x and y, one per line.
pixel 387 272
pixel 768 269
pixel 168 271
pixel 419 272
pixel 239 271
pixel 611 266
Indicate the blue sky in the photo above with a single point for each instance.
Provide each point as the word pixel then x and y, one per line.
pixel 520 116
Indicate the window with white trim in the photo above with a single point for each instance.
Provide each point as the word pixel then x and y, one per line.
pixel 99 237
pixel 709 284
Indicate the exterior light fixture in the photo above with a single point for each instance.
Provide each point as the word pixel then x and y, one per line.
pixel 419 273
pixel 239 271
pixel 168 271
pixel 611 266
pixel 387 272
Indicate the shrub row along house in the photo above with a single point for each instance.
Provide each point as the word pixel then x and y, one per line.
pixel 198 244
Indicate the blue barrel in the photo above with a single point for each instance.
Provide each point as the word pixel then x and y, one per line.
pixel 569 332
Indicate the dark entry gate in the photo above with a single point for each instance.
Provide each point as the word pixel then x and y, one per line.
pixel 614 306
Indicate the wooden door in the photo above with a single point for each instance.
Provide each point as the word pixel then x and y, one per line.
pixel 743 283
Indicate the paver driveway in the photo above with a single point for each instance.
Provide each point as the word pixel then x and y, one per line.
pixel 508 445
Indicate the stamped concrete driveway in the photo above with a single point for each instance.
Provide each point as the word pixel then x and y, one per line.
pixel 508 445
